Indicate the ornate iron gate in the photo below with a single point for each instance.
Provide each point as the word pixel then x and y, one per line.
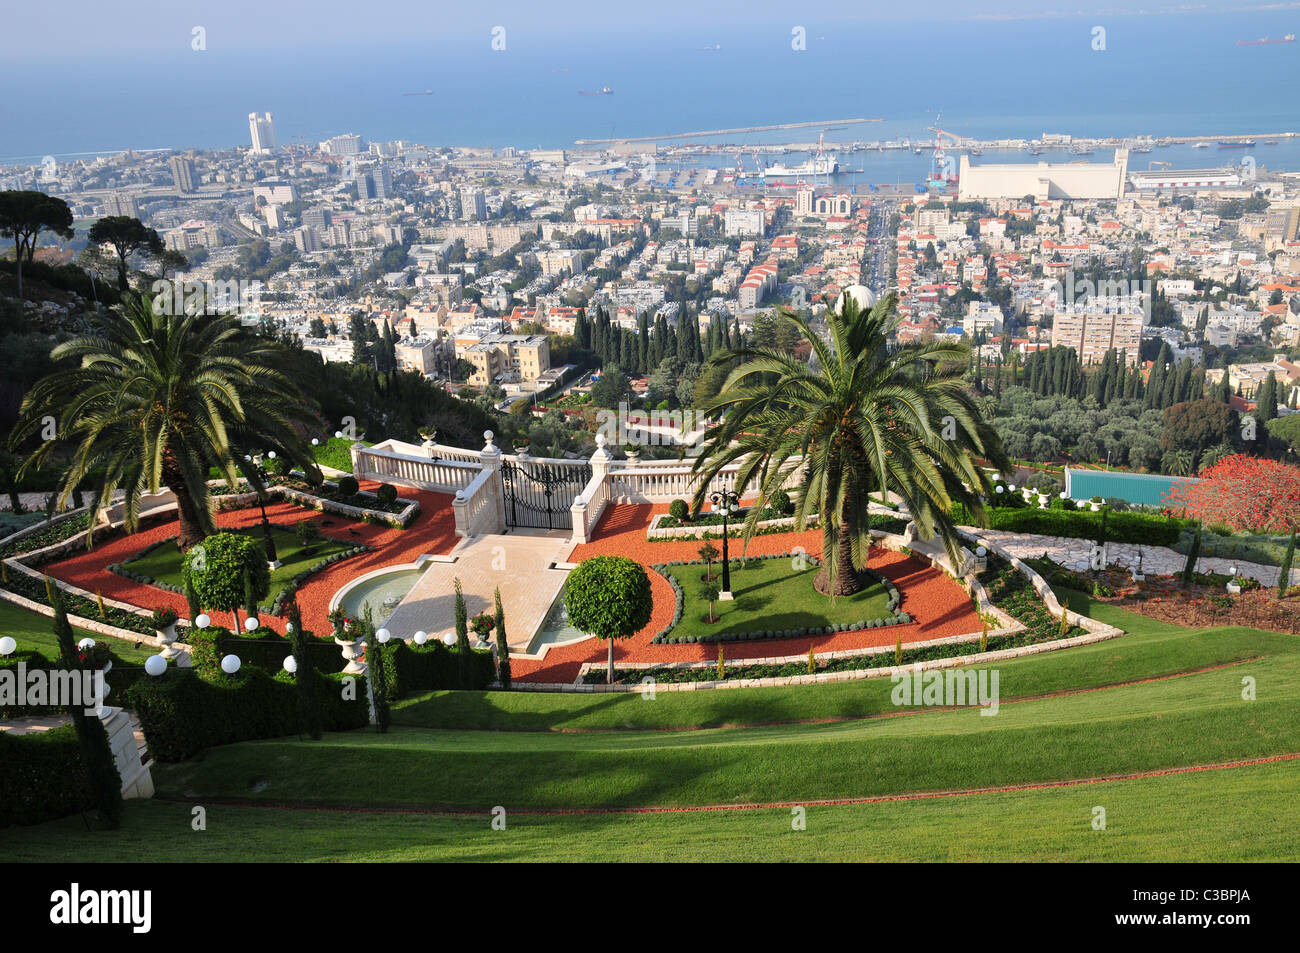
pixel 540 494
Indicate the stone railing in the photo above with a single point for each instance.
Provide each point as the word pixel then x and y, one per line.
pixel 477 507
pixel 443 476
pixel 590 505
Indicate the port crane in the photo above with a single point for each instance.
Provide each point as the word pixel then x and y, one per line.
pixel 942 172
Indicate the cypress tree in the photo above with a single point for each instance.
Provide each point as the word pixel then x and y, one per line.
pixel 1284 571
pixel 250 602
pixel 503 647
pixel 1193 554
pixel 1266 400
pixel 96 755
pixel 191 600
pixel 377 674
pixel 462 638
pixel 305 678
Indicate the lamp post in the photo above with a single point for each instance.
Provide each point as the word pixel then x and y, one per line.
pixel 262 475
pixel 725 502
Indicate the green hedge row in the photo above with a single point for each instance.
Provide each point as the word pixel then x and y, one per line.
pixel 263 648
pixel 431 667
pixel 119 680
pixel 185 711
pixel 1148 528
pixel 42 777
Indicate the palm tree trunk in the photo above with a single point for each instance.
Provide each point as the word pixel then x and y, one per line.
pixel 193 527
pixel 846 581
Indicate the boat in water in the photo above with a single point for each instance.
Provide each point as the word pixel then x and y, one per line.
pixel 1200 145
pixel 603 91
pixel 1266 41
pixel 1236 143
pixel 820 164
pixel 427 92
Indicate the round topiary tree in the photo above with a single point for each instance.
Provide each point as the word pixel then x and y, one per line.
pixel 609 596
pixel 216 568
pixel 679 510
pixel 348 486
pixel 387 494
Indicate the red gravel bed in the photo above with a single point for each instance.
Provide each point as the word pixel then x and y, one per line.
pixel 433 531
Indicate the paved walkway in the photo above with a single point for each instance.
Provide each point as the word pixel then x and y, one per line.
pixel 1076 554
pixel 937 604
pixel 518 563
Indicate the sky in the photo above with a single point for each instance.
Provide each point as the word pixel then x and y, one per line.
pixel 48 31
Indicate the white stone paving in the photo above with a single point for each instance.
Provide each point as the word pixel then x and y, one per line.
pixel 1076 554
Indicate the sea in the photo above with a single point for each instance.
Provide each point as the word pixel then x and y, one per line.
pixel 1115 75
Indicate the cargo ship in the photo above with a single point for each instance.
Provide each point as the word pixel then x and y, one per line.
pixel 1265 41
pixel 603 91
pixel 1242 144
pixel 820 164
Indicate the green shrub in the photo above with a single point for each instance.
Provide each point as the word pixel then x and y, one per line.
pixel 432 667
pixel 185 711
pixel 42 777
pixel 1147 528
pixel 216 569
pixel 348 486
pixel 679 510
pixel 387 494
pixel 780 501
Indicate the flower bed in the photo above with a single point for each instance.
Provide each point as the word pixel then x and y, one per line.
pixel 894 616
pixel 1010 591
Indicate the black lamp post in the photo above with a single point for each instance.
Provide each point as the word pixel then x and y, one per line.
pixel 262 475
pixel 725 502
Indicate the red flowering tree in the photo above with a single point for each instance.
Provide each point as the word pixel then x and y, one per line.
pixel 1243 492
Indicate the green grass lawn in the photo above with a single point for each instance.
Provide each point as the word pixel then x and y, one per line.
pixel 1160 697
pixel 163 563
pixel 1242 814
pixel 336 453
pixel 34 631
pixel 769 594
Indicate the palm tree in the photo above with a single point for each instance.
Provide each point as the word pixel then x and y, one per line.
pixel 156 400
pixel 859 418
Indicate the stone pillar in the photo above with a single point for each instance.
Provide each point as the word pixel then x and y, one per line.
pixel 358 468
pixel 490 458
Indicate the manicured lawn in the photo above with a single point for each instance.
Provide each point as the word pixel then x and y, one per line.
pixel 336 453
pixel 164 562
pixel 34 631
pixel 1240 814
pixel 769 594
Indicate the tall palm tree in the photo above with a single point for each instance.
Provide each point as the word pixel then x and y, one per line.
pixel 861 417
pixel 156 400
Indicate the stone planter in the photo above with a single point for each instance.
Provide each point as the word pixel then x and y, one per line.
pixel 633 457
pixel 354 666
pixel 1234 588
pixel 167 637
pixel 1096 507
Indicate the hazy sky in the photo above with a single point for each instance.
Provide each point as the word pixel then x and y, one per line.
pixel 48 30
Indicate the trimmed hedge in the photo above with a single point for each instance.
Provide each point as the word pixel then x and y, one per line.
pixel 1085 524
pixel 118 681
pixel 263 648
pixel 431 667
pixel 185 711
pixel 42 777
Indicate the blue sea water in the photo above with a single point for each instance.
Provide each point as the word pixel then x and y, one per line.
pixel 1158 75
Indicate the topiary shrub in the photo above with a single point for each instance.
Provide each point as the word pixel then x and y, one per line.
pixel 780 501
pixel 348 486
pixel 679 510
pixel 387 494
pixel 216 570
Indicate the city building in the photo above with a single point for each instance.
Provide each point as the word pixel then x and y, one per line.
pixel 743 221
pixel 508 358
pixel 183 175
pixel 261 128
pixel 1093 333
pixel 1044 180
